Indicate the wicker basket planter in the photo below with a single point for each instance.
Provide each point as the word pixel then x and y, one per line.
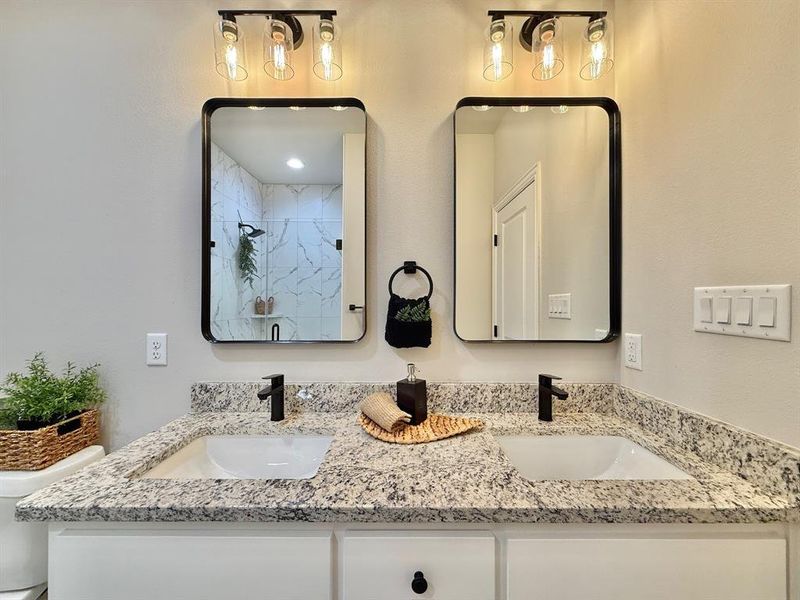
pixel 39 448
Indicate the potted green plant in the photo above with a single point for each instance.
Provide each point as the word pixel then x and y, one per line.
pixel 40 398
pixel 46 417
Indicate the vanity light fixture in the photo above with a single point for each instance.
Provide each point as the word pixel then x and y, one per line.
pixel 279 45
pixel 295 163
pixel 541 34
pixel 229 48
pixel 327 50
pixel 597 48
pixel 547 49
pixel 498 50
pixel 283 34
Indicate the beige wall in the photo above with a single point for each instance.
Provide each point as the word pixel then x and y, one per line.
pixel 572 150
pixel 104 97
pixel 710 100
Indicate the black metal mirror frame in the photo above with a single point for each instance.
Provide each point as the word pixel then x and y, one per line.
pixel 208 109
pixel 614 205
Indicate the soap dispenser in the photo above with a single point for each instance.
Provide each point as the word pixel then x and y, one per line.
pixel 412 396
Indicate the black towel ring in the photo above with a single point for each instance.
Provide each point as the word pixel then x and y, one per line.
pixel 410 267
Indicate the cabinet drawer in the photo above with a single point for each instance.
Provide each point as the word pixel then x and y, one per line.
pixel 158 564
pixel 381 566
pixel 655 569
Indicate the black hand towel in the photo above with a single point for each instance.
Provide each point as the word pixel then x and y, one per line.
pixel 408 323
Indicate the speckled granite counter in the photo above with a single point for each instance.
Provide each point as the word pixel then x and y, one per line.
pixel 465 479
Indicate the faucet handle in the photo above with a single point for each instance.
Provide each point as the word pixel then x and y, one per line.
pixel 276 379
pixel 545 379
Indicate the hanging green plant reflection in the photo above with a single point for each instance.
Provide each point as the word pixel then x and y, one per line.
pixel 248 268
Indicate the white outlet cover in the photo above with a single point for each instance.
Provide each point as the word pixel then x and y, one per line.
pixel 633 351
pixel 156 349
pixel 746 299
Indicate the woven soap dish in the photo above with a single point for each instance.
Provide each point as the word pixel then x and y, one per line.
pixel 435 427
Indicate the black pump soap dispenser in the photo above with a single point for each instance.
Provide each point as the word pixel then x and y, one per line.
pixel 412 396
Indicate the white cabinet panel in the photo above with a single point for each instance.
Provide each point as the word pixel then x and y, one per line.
pixel 125 565
pixel 381 566
pixel 651 569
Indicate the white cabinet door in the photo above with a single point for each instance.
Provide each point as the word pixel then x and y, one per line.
pixel 173 565
pixel 646 569
pixel 381 566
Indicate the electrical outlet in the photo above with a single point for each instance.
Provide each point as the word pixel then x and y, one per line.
pixel 157 349
pixel 633 351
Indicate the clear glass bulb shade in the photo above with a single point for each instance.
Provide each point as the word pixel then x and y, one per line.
pixel 278 50
pixel 547 49
pixel 229 50
pixel 597 49
pixel 498 50
pixel 327 50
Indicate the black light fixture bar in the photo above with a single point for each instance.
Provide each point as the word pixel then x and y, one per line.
pixel 537 16
pixel 590 14
pixel 287 16
pixel 266 13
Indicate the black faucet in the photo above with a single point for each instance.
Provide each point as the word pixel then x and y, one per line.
pixel 274 391
pixel 546 392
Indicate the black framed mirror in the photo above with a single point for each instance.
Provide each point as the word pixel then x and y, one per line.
pixel 538 245
pixel 284 220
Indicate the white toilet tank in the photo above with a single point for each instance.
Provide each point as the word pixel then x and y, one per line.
pixel 23 546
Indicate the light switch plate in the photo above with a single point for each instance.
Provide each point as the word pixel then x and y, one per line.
pixel 156 349
pixel 633 351
pixel 559 306
pixel 763 304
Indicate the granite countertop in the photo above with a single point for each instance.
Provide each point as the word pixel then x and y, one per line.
pixel 466 479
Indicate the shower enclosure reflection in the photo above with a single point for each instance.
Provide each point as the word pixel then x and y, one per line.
pixel 286 211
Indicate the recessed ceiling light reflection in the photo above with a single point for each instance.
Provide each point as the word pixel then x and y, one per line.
pixel 521 109
pixel 297 108
pixel 559 110
pixel 256 107
pixel 295 163
pixel 338 108
pixel 482 108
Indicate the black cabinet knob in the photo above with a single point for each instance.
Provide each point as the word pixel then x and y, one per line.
pixel 419 585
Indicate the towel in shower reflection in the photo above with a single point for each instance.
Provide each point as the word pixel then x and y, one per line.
pixel 381 409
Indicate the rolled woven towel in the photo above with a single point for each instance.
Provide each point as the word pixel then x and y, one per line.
pixel 380 407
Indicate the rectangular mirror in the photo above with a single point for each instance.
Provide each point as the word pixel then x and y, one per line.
pixel 284 220
pixel 537 219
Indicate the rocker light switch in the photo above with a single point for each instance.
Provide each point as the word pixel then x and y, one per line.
pixel 706 309
pixel 743 310
pixel 766 311
pixel 723 309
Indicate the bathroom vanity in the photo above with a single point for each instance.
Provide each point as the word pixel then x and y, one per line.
pixel 626 507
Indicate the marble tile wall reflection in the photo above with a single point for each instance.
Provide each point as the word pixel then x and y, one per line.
pixel 234 192
pixel 303 223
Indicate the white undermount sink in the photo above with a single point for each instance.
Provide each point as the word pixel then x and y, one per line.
pixel 245 457
pixel 581 457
